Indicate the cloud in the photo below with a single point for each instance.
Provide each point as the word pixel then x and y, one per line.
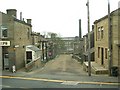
pixel 59 16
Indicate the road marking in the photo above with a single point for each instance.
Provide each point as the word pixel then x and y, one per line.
pixel 62 81
pixel 70 83
pixel 39 79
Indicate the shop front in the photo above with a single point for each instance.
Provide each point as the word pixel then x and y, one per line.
pixel 4 55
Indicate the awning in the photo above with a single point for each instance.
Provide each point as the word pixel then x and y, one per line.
pixel 33 48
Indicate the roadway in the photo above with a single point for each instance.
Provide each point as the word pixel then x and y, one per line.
pixel 62 72
pixel 26 83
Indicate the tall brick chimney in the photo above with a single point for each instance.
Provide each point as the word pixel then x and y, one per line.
pixel 80 33
pixel 12 12
pixel 21 16
pixel 29 21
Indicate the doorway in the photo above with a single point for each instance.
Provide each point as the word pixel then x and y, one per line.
pixel 5 56
pixel 102 56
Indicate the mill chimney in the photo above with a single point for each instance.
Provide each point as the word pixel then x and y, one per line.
pixel 21 16
pixel 80 33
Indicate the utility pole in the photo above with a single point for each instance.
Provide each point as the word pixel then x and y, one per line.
pixel 89 61
pixel 109 40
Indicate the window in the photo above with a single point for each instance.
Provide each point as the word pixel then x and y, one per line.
pixel 28 33
pixel 99 32
pixel 106 53
pixel 102 32
pixel 92 56
pixel 4 32
pixel 29 56
pixel 96 35
pixel 98 52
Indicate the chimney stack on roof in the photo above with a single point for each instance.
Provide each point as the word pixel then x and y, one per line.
pixel 29 21
pixel 12 12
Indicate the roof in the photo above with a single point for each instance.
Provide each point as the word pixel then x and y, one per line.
pixel 23 22
pixel 96 21
pixel 17 20
pixel 68 38
pixel 33 48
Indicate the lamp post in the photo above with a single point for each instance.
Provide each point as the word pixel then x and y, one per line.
pixel 89 61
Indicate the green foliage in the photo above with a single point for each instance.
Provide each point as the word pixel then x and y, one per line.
pixel 57 40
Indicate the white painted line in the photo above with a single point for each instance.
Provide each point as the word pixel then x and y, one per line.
pixel 70 83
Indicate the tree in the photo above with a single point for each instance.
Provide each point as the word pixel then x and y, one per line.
pixel 59 44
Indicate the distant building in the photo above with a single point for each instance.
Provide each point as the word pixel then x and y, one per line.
pixel 55 46
pixel 36 39
pixel 78 46
pixel 42 43
pixel 69 44
pixel 85 47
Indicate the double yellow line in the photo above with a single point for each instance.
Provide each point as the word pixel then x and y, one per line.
pixel 61 81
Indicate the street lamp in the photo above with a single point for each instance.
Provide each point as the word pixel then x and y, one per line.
pixel 89 61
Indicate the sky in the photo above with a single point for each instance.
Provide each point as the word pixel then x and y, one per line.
pixel 59 16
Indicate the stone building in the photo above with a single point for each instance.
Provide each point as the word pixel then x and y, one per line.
pixel 36 39
pixel 69 44
pixel 17 34
pixel 86 50
pixel 102 40
pixel 34 52
pixel 0 46
pixel 85 47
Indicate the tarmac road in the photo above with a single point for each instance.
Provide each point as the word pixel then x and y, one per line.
pixel 59 73
pixel 20 82
pixel 61 65
pixel 64 67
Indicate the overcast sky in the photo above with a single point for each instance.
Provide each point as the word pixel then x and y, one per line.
pixel 59 16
